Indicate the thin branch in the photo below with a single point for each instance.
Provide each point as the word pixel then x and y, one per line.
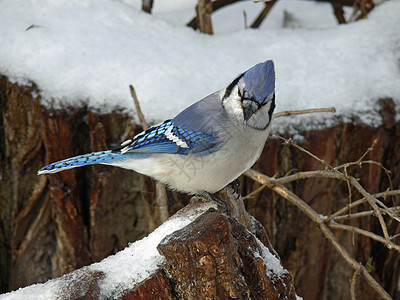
pixel 338 12
pixel 216 5
pixel 302 112
pixel 161 192
pixel 366 233
pixel 371 200
pixel 348 188
pixel 370 149
pixel 363 200
pixel 290 142
pixel 370 162
pixel 309 174
pixel 203 16
pixel 353 285
pixel 334 175
pixel 255 192
pixel 138 109
pixel 314 216
pixel 260 18
pixel 395 209
pixel 395 236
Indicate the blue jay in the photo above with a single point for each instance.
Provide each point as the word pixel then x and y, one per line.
pixel 206 146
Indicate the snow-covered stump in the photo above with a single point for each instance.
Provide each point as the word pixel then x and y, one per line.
pixel 216 257
pixel 198 253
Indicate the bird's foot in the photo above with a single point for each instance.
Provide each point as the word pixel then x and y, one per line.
pixel 235 185
pixel 218 201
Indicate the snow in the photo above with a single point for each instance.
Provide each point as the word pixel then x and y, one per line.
pixel 91 50
pixel 131 266
pixel 270 260
pixel 140 259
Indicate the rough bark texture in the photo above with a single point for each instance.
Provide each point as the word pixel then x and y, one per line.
pixel 213 257
pixel 50 225
pixel 222 251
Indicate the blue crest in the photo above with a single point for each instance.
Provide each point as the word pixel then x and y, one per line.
pixel 259 81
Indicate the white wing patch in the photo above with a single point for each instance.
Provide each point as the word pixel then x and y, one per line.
pixel 126 143
pixel 168 133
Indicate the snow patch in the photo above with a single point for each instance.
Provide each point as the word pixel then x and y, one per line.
pixel 122 271
pixel 91 51
pixel 272 263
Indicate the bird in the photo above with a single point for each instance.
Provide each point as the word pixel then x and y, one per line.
pixel 206 146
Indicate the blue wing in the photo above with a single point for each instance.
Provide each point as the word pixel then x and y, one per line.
pixel 162 138
pixel 166 137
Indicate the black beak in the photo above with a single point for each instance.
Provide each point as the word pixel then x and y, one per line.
pixel 249 108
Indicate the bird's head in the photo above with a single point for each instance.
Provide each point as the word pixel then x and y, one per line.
pixel 250 98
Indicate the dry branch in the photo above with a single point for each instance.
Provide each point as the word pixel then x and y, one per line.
pixel 203 16
pixel 138 109
pixel 363 200
pixel 161 192
pixel 366 233
pixel 325 223
pixel 395 209
pixel 314 216
pixel 302 112
pixel 350 180
pixel 260 18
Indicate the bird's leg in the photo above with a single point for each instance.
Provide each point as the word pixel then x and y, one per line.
pixel 235 185
pixel 218 201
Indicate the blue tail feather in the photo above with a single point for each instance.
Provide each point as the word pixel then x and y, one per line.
pixel 82 160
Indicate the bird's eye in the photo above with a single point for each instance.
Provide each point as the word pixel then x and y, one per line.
pixel 240 94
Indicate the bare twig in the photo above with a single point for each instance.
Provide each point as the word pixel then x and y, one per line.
pixel 290 142
pixel 371 200
pixel 341 173
pixel 309 174
pixel 370 162
pixel 348 188
pixel 334 175
pixel 353 285
pixel 394 236
pixel 366 233
pixel 395 209
pixel 314 216
pixel 255 192
pixel 216 5
pixel 260 18
pixel 302 112
pixel 161 192
pixel 203 16
pixel 363 200
pixel 338 12
pixel 138 109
